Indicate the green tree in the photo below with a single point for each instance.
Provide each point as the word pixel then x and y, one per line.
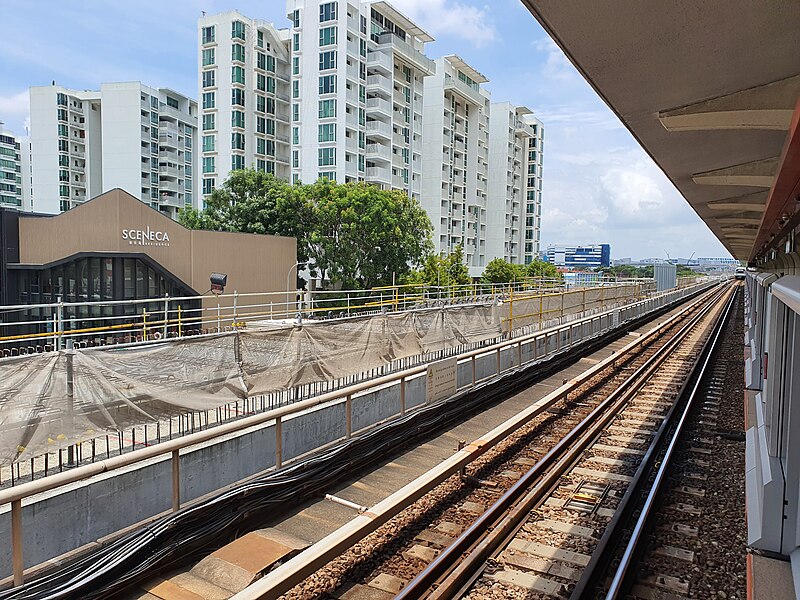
pixel 444 271
pixel 542 268
pixel 364 236
pixel 502 271
pixel 252 201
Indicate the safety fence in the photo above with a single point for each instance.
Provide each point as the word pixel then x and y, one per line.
pixel 474 366
pixel 36 328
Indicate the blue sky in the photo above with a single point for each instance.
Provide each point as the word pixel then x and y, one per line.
pixel 599 185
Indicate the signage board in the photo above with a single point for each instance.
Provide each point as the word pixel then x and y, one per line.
pixel 145 237
pixel 441 379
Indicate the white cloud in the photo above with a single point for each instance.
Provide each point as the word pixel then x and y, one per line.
pixel 556 65
pixel 15 104
pixel 448 17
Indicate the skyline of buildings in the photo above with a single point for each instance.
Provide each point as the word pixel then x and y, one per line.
pixel 345 92
pixel 125 135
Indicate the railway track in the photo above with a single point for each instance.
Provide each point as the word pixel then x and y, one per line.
pixel 539 498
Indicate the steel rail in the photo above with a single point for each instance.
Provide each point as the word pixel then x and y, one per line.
pixel 628 557
pixel 294 571
pixel 508 512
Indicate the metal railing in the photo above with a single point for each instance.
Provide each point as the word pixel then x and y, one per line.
pixel 556 339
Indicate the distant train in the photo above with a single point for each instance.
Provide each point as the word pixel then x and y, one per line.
pixel 740 273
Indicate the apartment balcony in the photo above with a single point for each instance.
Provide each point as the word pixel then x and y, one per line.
pixel 351 143
pixel 408 52
pixel 353 49
pixel 165 110
pixel 352 96
pixel 283 97
pixel 78 110
pixel 523 128
pixel 166 185
pixel 282 76
pixel 379 152
pixel 170 200
pixel 282 116
pixel 379 105
pixel 168 139
pixel 379 82
pixel 353 72
pixel 168 155
pixel 469 94
pixel 77 154
pixel 168 171
pixel 399 183
pixel 380 61
pixel 380 174
pixel 379 129
pixel 77 169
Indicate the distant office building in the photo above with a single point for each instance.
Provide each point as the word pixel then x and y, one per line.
pixel 357 87
pixel 244 90
pixel 579 257
pixel 126 135
pixel 455 159
pixel 718 262
pixel 11 173
pixel 510 133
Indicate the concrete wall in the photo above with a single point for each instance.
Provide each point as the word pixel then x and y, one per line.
pixel 110 502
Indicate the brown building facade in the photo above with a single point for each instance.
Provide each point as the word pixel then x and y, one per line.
pixel 115 247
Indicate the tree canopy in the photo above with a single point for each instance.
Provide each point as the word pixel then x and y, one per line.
pixel 502 271
pixel 351 235
pixel 444 271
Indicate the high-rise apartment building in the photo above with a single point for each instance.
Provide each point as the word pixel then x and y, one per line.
pixel 244 97
pixel 127 135
pixel 455 159
pixel 588 256
pixel 508 183
pixel 533 188
pixel 357 90
pixel 11 172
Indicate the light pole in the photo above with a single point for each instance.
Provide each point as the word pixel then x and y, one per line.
pixel 297 264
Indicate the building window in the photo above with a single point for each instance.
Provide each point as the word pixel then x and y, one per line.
pixel 208 78
pixel 327 108
pixel 261 60
pixel 270 126
pixel 296 65
pixel 295 112
pixel 327 84
pixel 327 132
pixel 270 106
pixel 329 175
pixel 271 85
pixel 270 63
pixel 261 125
pixel 209 143
pixel 327 12
pixel 209 99
pixel 237 118
pixel 327 60
pixel 208 34
pixel 295 135
pixel 296 18
pixel 295 159
pixel 260 146
pixel 237 141
pixel 208 164
pixel 327 36
pixel 361 162
pixel 208 57
pixel 237 162
pixel 295 89
pixel 260 103
pixel 237 52
pixel 260 39
pixel 237 30
pixel 237 75
pixel 296 42
pixel 237 97
pixel 209 122
pixel 270 147
pixel 208 186
pixel 327 157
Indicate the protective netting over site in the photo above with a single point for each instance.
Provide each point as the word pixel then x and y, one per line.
pixel 115 388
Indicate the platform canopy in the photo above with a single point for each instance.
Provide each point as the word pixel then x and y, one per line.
pixel 709 90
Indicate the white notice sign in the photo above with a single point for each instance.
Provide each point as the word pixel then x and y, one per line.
pixel 441 379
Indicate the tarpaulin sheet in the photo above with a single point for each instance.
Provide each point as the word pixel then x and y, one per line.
pixel 116 388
